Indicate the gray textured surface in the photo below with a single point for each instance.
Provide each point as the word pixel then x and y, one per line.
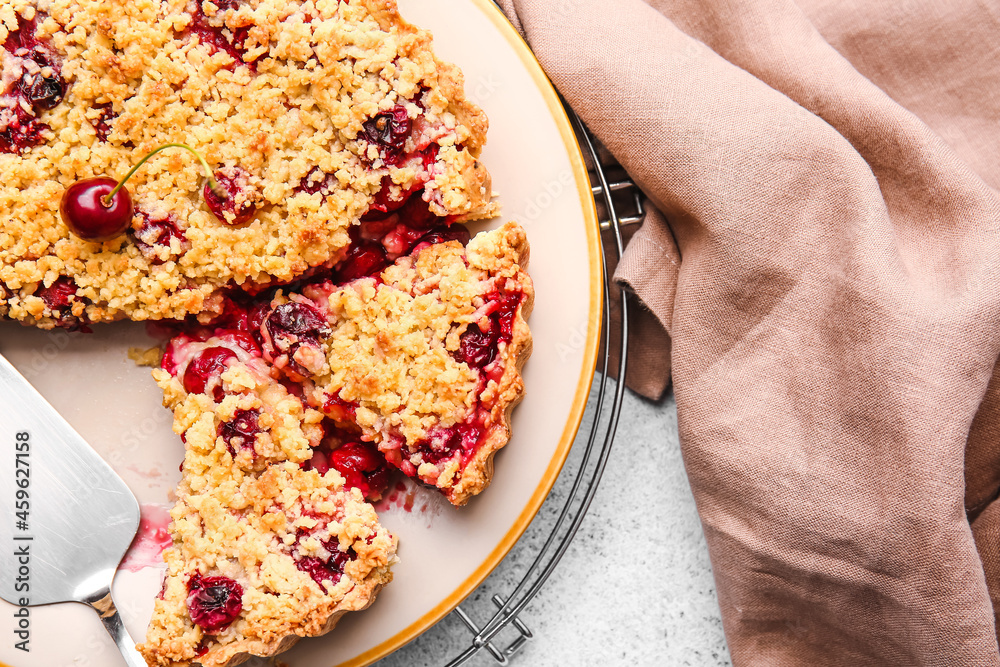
pixel 635 587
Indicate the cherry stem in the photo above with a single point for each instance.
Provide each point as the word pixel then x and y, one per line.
pixel 106 200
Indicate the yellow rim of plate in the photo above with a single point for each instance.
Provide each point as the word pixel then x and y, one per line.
pixel 589 359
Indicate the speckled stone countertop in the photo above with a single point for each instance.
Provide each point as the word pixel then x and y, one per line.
pixel 635 587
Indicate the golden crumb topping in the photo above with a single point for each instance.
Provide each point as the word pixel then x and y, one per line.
pixel 311 112
pixel 291 548
pixel 395 352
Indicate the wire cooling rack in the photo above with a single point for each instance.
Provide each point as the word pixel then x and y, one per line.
pixel 613 191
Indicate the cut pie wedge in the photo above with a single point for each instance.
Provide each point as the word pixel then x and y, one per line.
pixel 421 357
pixel 266 549
pixel 424 360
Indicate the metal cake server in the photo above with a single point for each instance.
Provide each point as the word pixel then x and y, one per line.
pixel 68 518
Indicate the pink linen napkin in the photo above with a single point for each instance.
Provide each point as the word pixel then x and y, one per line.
pixel 826 273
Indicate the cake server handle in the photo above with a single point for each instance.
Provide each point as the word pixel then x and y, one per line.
pixel 105 608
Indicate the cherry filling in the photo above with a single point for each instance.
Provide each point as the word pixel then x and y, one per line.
pixel 364 258
pixel 43 92
pixel 443 443
pixel 292 334
pixel 22 132
pixel 213 602
pixel 325 569
pixel 241 431
pixel 206 368
pixel 389 131
pixel 38 87
pixel 296 320
pixel 154 233
pixel 384 202
pixel 362 466
pixel 240 204
pixel 338 409
pixel 102 123
pixel 444 234
pixel 479 348
pixel 40 84
pixel 383 236
pixel 59 295
pixel 315 181
pixel 220 38
pixel 59 298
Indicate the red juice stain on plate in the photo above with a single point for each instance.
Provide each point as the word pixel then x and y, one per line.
pixel 149 543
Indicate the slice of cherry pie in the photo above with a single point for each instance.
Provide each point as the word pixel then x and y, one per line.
pixel 313 115
pixel 420 356
pixel 423 359
pixel 267 547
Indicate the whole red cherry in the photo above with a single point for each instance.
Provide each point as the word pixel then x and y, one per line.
pixel 99 209
pixel 84 209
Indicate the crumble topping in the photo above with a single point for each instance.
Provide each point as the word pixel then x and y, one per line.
pixel 400 360
pixel 312 114
pixel 265 550
pixel 421 357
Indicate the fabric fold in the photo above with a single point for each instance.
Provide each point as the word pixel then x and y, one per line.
pixel 828 269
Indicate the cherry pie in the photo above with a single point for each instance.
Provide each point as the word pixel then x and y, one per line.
pixel 312 114
pixel 333 324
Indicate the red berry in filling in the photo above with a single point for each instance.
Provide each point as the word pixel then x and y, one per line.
pixel 507 304
pixel 240 204
pixel 330 569
pixel 209 364
pixel 41 85
pixel 246 341
pixel 241 431
pixel 292 342
pixel 478 348
pixel 85 210
pixel 444 234
pixel 59 294
pixel 43 92
pixel 338 409
pixel 389 131
pixel 102 124
pixel 22 131
pixel 153 233
pixel 362 466
pixel 445 443
pixel 383 202
pixel 365 258
pixel 255 320
pixel 214 602
pixel 298 320
pixel 220 38
pixel 37 87
pixel 319 462
pixel 316 181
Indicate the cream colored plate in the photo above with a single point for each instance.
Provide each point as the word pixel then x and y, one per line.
pixel 445 552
